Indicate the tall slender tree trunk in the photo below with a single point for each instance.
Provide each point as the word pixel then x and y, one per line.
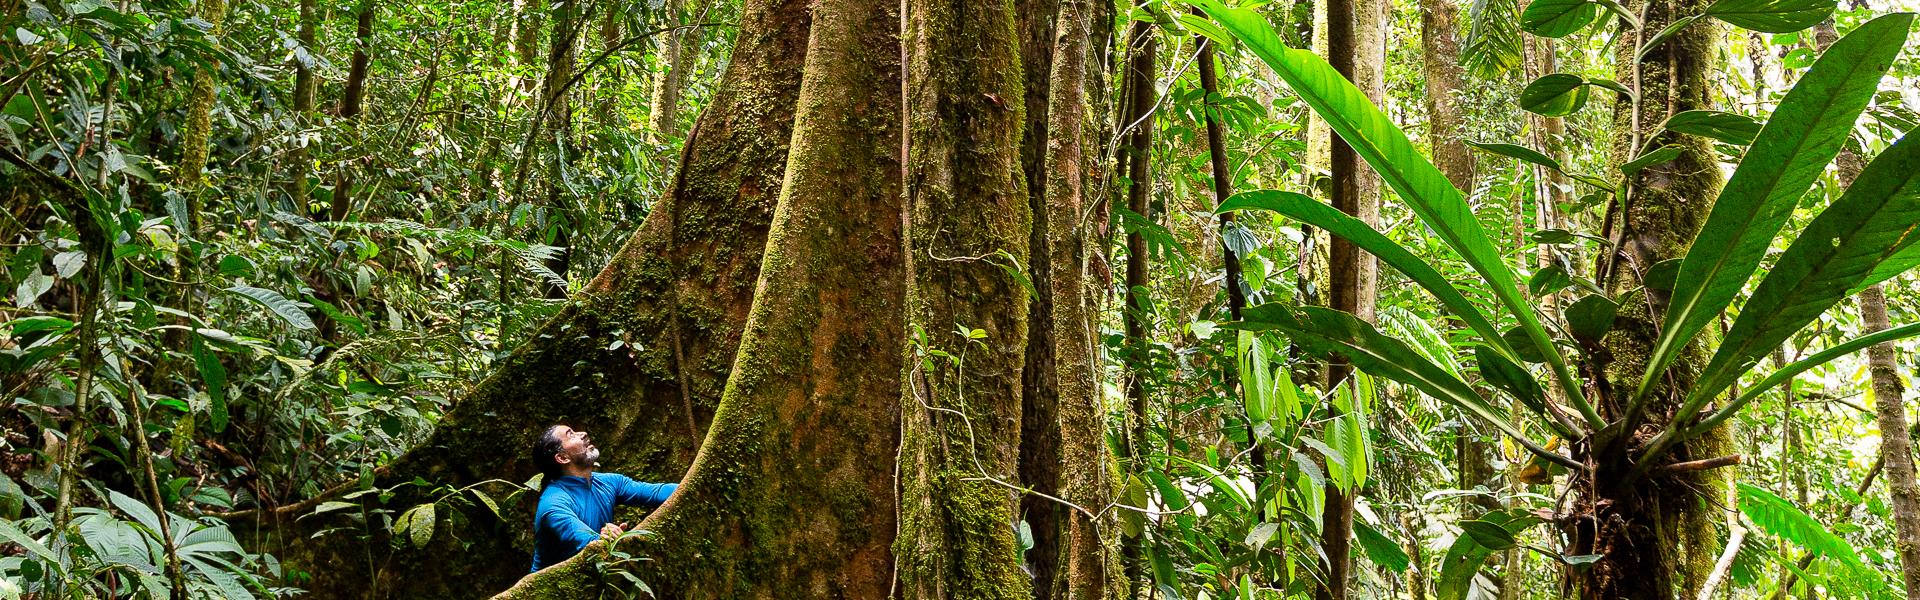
pixel 1040 388
pixel 961 406
pixel 664 120
pixel 350 101
pixel 1889 397
pixel 557 111
pixel 1642 529
pixel 1356 47
pixel 1083 451
pixel 1142 46
pixel 1440 42
pixel 304 85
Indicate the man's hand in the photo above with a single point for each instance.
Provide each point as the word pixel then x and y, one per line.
pixel 610 530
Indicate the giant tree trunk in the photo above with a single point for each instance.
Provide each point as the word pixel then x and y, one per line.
pixel 1639 527
pixel 961 407
pixel 1039 415
pixel 1356 47
pixel 676 296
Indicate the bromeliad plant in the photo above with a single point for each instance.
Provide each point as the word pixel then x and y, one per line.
pixel 1864 237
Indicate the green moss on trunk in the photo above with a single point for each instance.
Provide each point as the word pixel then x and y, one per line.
pixel 792 494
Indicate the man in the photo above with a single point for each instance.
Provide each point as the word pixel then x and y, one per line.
pixel 575 503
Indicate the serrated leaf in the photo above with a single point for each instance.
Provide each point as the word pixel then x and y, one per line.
pixel 1555 95
pixel 1791 152
pixel 280 305
pixel 1726 127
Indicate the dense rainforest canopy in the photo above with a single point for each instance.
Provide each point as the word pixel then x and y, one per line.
pixel 1077 299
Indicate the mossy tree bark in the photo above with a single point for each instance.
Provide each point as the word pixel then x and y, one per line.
pixel 351 98
pixel 1641 528
pixel 786 498
pixel 967 216
pixel 1085 479
pixel 1040 393
pixel 675 297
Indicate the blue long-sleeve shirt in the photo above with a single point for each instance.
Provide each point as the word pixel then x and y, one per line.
pixel 573 509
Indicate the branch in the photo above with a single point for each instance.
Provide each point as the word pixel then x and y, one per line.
pixel 1697 465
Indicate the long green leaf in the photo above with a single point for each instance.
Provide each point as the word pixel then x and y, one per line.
pixel 1327 331
pixel 1798 141
pixel 280 305
pixel 1319 214
pixel 1772 16
pixel 1901 261
pixel 1386 148
pixel 1838 249
pixel 1801 366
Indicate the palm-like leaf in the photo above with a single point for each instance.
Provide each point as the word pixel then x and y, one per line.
pixel 1375 138
pixel 1798 141
pixel 1837 250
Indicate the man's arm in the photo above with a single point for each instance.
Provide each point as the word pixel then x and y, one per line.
pixel 628 492
pixel 572 532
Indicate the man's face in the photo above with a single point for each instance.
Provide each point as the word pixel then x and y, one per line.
pixel 577 448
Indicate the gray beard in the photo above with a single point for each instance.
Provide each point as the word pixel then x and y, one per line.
pixel 591 458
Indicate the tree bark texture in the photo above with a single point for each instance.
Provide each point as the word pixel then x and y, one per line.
pixel 1040 416
pixel 1642 528
pixel 1084 478
pixel 1356 47
pixel 786 497
pixel 1439 24
pixel 1142 48
pixel 664 119
pixel 304 85
pixel 967 218
pixel 676 296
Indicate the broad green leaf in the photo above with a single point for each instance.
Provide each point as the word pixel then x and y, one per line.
pixel 1590 317
pixel 25 325
pixel 1558 18
pixel 1327 331
pixel 1797 367
pixel 420 528
pixel 1657 156
pixel 1899 262
pixel 1556 95
pixel 1373 136
pixel 214 375
pixel 1319 214
pixel 1772 16
pixel 1841 247
pixel 1522 153
pixel 1508 376
pixel 1379 548
pixel 1794 147
pixel 1489 534
pixel 280 305
pixel 1465 557
pixel 1726 127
